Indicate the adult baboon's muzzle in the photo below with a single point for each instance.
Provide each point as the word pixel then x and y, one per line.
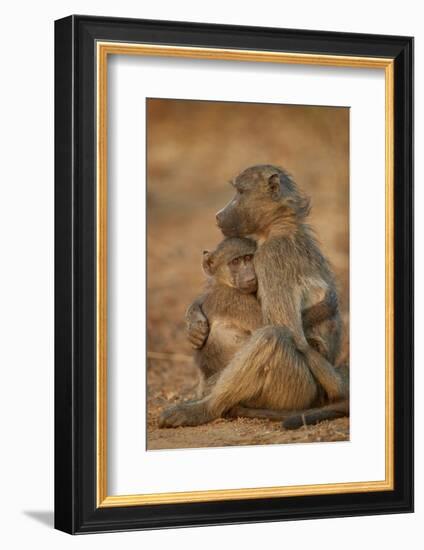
pixel 227 221
pixel 220 217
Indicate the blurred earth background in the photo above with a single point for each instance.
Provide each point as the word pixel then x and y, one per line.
pixel 193 149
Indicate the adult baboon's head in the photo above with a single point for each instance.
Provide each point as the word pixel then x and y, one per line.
pixel 266 197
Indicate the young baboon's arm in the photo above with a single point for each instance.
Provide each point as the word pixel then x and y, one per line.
pixel 320 312
pixel 197 326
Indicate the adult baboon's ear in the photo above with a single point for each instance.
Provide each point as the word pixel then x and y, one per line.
pixel 207 263
pixel 274 185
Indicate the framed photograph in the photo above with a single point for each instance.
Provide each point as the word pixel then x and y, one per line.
pixel 234 274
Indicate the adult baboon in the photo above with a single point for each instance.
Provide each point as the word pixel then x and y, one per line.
pixel 277 368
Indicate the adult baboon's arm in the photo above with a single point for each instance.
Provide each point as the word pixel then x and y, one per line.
pixel 197 325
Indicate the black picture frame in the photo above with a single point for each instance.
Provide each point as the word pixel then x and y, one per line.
pixel 76 510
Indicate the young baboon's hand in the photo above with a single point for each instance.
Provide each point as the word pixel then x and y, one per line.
pixel 197 333
pixel 197 326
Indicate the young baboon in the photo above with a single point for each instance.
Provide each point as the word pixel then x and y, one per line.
pixel 229 302
pixel 277 368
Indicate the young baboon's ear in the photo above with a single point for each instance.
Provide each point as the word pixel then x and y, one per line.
pixel 274 185
pixel 207 263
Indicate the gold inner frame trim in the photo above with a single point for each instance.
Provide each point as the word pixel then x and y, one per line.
pixel 103 49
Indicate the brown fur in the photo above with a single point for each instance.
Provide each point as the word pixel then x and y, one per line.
pixel 277 368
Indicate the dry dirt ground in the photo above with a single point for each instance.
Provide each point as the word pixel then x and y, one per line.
pixel 194 148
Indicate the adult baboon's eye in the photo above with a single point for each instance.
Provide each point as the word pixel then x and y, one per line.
pixel 235 262
pixel 248 258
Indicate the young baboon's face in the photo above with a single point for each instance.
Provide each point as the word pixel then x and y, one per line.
pixel 264 194
pixel 231 264
pixel 240 272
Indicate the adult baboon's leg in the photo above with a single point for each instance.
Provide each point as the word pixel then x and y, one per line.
pixel 268 372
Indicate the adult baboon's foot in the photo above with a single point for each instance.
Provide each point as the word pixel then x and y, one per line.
pixel 185 414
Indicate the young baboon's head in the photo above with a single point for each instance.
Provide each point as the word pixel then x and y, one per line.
pixel 266 197
pixel 231 264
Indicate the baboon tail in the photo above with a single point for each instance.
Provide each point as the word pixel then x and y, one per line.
pixel 314 416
